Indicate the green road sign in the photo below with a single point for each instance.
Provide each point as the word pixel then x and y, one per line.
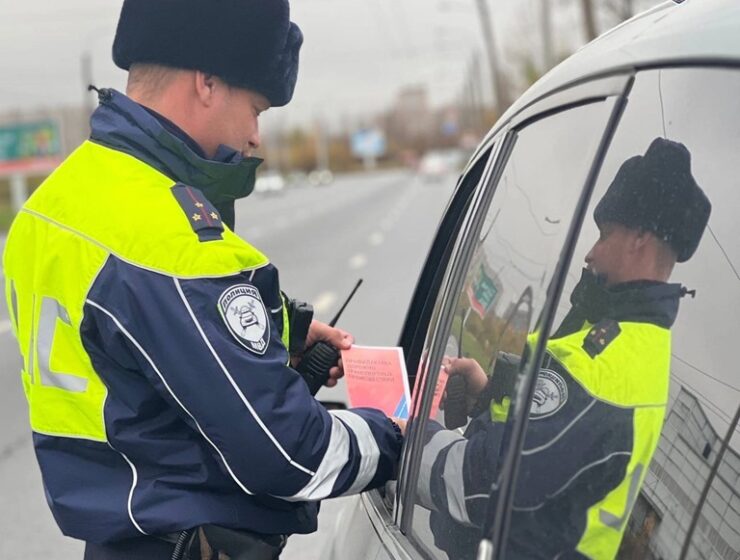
pixel 482 293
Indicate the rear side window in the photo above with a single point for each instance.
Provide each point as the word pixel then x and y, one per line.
pixel 639 383
pixel 501 287
pixel 688 120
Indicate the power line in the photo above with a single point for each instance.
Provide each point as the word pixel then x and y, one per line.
pixel 732 266
pixel 518 253
pixel 705 373
pixel 530 207
pixel 662 109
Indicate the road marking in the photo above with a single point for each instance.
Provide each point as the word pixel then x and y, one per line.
pixel 323 302
pixel 358 261
pixel 5 326
pixel 376 238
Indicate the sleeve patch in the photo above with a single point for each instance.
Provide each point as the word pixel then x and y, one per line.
pixel 246 318
pixel 550 394
pixel 202 215
pixel 600 336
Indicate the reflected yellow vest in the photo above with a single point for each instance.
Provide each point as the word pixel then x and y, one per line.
pixel 633 372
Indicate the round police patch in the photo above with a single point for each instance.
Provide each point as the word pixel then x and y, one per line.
pixel 244 314
pixel 550 394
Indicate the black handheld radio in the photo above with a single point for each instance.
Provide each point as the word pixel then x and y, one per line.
pixel 321 357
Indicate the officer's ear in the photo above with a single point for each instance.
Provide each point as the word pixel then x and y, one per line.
pixel 642 240
pixel 642 236
pixel 206 86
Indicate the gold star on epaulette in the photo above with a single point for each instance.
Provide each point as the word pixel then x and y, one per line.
pixel 199 205
pixel 600 337
pixel 196 217
pixel 214 215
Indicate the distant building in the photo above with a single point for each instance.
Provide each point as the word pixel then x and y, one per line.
pixel 410 121
pixel 687 450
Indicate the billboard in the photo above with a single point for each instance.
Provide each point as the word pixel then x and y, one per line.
pixel 28 147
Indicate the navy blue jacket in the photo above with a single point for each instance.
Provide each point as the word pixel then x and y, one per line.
pixel 203 424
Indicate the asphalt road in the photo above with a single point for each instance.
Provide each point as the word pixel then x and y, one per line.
pixel 373 226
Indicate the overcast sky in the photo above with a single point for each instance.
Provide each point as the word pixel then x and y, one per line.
pixel 357 53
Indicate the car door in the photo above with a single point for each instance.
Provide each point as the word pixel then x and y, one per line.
pixel 688 502
pixel 525 181
pixel 495 290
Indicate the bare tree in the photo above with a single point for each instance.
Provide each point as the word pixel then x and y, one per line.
pixel 500 87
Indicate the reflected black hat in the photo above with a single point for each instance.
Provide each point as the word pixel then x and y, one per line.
pixel 656 192
pixel 247 43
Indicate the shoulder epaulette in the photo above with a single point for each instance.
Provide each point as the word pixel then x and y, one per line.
pixel 202 215
pixel 600 336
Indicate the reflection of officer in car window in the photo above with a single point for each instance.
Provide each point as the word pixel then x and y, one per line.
pixel 602 389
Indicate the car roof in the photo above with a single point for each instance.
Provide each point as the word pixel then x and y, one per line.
pixel 691 32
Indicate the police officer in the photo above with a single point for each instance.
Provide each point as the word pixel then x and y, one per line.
pixel 155 341
pixel 602 390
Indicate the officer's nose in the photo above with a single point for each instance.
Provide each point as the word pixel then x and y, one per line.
pixel 252 144
pixel 589 257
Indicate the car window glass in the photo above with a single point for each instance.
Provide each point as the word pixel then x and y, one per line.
pixel 423 310
pixel 503 289
pixel 640 381
pixel 423 305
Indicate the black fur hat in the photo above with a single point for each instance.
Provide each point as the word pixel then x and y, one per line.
pixel 656 192
pixel 247 43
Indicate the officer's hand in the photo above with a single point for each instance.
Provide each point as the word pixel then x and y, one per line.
pixel 339 339
pixel 401 424
pixel 475 378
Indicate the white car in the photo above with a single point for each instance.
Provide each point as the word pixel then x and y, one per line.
pixel 269 182
pixel 510 248
pixel 438 165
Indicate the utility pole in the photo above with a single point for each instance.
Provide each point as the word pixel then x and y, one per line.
pixel 499 86
pixel 589 19
pixel 476 91
pixel 548 54
pixel 87 79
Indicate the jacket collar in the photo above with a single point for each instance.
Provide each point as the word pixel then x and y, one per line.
pixel 642 301
pixel 122 124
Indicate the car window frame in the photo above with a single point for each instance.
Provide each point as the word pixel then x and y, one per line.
pixel 583 93
pixel 447 274
pixel 382 514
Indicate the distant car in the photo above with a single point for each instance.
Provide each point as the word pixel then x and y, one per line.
pixel 509 251
pixel 438 165
pixel 320 177
pixel 269 182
